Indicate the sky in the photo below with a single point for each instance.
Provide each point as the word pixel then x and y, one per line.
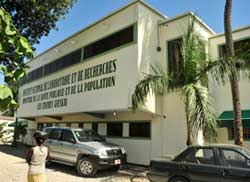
pixel 86 12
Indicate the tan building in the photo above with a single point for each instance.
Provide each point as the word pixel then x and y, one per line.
pixel 88 79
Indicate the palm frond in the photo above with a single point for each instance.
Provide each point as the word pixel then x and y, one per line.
pixel 199 109
pixel 193 54
pixel 242 57
pixel 224 67
pixel 155 83
pixel 219 70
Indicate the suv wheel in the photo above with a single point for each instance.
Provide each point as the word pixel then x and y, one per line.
pixel 178 179
pixel 86 167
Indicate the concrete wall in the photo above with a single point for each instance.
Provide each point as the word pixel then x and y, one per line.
pixel 173 128
pixel 126 75
pixel 166 113
pixel 222 93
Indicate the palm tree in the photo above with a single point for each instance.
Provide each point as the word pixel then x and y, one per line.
pixel 230 57
pixel 189 81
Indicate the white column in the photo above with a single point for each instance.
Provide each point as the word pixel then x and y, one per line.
pixel 102 129
pixel 125 129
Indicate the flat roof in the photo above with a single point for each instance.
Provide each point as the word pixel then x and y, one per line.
pixel 189 13
pixel 98 21
pixel 234 31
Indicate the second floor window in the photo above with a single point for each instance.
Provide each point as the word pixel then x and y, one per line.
pixel 174 56
pixel 240 46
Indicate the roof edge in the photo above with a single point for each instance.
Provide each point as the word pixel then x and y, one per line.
pixel 96 22
pixel 234 31
pixel 189 13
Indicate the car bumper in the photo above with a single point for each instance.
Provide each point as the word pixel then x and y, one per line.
pixel 110 162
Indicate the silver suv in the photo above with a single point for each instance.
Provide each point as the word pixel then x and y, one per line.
pixel 83 148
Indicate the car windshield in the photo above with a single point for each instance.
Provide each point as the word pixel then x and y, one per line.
pixel 88 136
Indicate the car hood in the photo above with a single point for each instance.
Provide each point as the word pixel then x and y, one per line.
pixel 100 145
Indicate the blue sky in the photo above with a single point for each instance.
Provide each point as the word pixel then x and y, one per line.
pixel 86 12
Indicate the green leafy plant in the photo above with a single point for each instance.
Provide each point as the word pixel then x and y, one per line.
pixel 13 49
pixel 189 81
pixel 35 18
pixel 13 45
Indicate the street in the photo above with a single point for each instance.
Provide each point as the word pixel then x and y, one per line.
pixel 14 169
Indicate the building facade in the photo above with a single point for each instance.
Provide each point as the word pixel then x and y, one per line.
pixel 88 79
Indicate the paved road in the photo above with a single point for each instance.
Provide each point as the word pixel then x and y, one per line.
pixel 14 169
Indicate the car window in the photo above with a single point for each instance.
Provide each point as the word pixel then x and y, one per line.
pixel 232 158
pixel 68 136
pixel 200 156
pixel 55 134
pixel 88 136
pixel 48 130
pixel 205 156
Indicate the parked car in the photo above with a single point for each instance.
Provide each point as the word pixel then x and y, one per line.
pixel 84 149
pixel 210 163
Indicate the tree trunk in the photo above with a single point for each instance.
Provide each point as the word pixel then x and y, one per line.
pixel 238 131
pixel 190 138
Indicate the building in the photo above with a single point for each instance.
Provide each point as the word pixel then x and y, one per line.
pixel 88 79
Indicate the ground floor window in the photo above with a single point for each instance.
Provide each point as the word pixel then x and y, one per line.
pixel 80 125
pixel 141 129
pixel 95 127
pixel 246 133
pixel 114 129
pixel 40 126
pixel 127 129
pixel 49 124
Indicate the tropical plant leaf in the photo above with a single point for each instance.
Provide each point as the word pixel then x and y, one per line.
pixel 200 110
pixel 5 92
pixel 154 83
pixel 194 68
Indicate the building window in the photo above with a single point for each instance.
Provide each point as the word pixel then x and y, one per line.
pixel 54 66
pixel 240 46
pixel 49 124
pixel 175 56
pixel 140 129
pixel 63 62
pixel 40 126
pixel 114 129
pixel 115 40
pixel 57 124
pixel 95 127
pixel 68 124
pixel 246 133
pixel 80 125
